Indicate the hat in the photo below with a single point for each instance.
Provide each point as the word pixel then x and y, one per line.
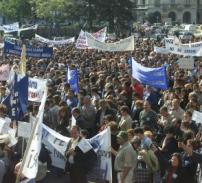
pixel 123 135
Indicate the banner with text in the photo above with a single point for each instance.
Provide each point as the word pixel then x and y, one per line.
pixel 126 44
pixel 14 27
pixel 191 49
pixel 54 42
pixel 81 42
pixel 45 52
pixel 30 159
pixel 36 89
pixel 101 143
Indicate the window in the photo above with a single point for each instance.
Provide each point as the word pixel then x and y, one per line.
pixel 143 2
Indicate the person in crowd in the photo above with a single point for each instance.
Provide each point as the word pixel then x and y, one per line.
pixel 126 122
pixel 80 121
pixel 176 111
pixel 89 113
pixel 174 173
pixel 165 118
pixel 80 156
pixel 136 108
pixel 126 159
pixel 148 117
pixel 53 112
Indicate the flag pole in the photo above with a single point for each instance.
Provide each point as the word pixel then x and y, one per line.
pixel 36 125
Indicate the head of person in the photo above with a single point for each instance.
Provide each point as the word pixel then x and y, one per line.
pixel 130 134
pixel 2 90
pixel 147 105
pixel 84 133
pixel 122 137
pixel 136 142
pixel 103 104
pixel 169 131
pixel 76 112
pixel 139 104
pixel 176 122
pixel 124 110
pixel 164 111
pixel 187 117
pixel 175 104
pixel 139 132
pixel 75 132
pixel 86 100
pixel 113 127
pixel 176 160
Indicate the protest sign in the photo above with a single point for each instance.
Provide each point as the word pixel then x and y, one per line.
pixel 44 52
pixel 81 42
pixel 126 44
pixel 191 49
pixel 36 89
pixel 54 42
pixel 24 129
pixel 197 117
pixel 4 72
pixel 14 27
pixel 186 63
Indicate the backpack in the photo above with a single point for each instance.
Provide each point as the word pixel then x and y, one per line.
pixel 142 173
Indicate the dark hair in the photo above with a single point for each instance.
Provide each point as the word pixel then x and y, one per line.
pixel 169 130
pixel 125 109
pixel 178 156
pixel 138 130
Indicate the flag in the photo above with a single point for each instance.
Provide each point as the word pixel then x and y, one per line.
pixel 17 100
pixel 29 167
pixel 22 68
pixel 155 77
pixel 73 80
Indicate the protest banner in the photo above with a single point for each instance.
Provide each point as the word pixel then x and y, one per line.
pixel 126 44
pixel 197 117
pixel 29 166
pixel 186 63
pixel 191 49
pixel 14 27
pixel 101 144
pixel 54 42
pixel 36 89
pixel 44 52
pixel 81 42
pixel 4 72
pixel 56 144
pixel 160 50
pixel 155 77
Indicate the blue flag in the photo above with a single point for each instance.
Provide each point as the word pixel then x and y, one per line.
pixel 17 100
pixel 155 77
pixel 73 80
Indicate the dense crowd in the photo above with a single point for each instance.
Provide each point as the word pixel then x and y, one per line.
pixel 153 136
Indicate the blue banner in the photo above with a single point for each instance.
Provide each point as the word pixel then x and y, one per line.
pixel 73 80
pixel 155 77
pixel 45 52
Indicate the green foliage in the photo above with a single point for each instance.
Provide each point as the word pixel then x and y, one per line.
pixel 16 9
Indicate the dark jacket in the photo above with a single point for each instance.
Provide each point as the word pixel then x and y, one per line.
pixel 177 176
pixel 80 121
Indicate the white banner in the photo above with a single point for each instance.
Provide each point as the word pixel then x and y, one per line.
pixel 81 42
pixel 191 49
pixel 54 42
pixel 186 63
pixel 160 50
pixel 36 89
pixel 29 165
pixel 126 44
pixel 10 28
pixel 101 143
pixel 56 144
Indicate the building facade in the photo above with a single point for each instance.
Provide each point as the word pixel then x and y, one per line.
pixel 175 11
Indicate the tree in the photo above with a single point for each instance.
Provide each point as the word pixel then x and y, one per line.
pixel 117 12
pixel 17 10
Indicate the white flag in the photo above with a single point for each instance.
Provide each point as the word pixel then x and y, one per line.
pixel 30 159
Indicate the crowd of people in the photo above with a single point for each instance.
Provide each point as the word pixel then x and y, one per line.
pixel 153 137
